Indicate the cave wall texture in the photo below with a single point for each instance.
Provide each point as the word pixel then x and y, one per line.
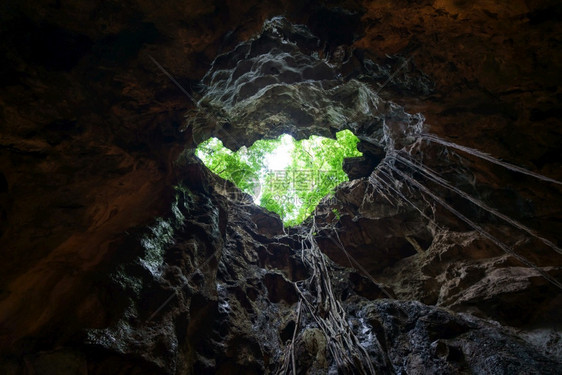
pixel 122 254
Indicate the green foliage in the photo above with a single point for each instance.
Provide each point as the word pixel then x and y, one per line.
pixel 336 213
pixel 315 168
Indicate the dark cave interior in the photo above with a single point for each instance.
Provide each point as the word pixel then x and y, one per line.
pixel 123 254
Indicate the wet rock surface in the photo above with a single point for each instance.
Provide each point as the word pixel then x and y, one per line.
pixel 123 254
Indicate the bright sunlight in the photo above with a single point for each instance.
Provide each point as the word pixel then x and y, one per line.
pixel 285 176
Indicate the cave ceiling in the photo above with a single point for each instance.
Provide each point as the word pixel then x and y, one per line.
pixel 121 253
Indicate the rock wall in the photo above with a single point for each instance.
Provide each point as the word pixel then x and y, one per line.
pixel 122 254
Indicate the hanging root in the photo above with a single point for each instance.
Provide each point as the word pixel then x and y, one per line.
pixel 482 155
pixel 327 313
pixel 289 354
pixel 433 176
pixel 391 169
pixel 381 172
pixel 355 264
pixel 173 80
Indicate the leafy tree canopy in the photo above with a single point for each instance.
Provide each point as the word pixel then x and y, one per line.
pixel 283 175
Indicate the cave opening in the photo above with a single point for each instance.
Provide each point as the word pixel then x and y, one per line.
pixel 278 83
pixel 286 176
pixel 410 189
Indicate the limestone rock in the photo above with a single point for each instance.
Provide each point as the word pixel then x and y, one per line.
pixel 122 254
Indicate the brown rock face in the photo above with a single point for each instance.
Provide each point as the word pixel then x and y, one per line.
pixel 122 254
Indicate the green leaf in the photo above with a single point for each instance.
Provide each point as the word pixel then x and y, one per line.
pixel 315 169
